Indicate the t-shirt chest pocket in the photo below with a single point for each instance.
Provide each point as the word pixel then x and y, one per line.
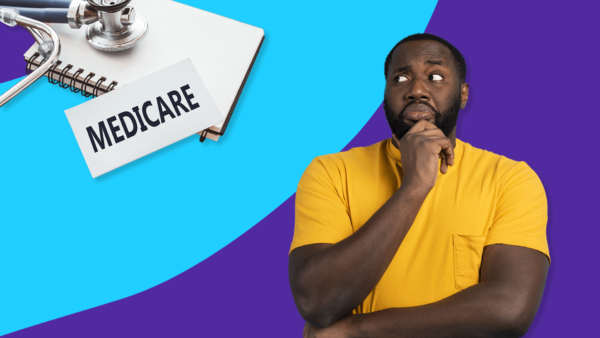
pixel 468 251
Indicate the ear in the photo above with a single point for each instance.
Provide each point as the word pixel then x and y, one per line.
pixel 464 95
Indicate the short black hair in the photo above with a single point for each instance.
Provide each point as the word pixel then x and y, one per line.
pixel 459 60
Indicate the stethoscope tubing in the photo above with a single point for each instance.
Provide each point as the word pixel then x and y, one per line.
pixel 54 15
pixel 36 3
pixel 43 68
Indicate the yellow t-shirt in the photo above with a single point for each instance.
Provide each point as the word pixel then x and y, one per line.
pixel 483 199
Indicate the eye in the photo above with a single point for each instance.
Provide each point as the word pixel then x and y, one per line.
pixel 436 77
pixel 401 78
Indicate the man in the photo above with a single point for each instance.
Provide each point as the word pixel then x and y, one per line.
pixel 420 235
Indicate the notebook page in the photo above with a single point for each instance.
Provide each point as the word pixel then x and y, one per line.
pixel 221 49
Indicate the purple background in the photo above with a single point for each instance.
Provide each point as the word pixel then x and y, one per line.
pixel 16 40
pixel 533 74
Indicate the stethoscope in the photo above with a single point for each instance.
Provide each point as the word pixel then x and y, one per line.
pixel 112 26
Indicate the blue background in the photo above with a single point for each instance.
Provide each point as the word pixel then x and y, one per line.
pixel 69 242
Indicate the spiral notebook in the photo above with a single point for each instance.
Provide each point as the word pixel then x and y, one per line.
pixel 222 50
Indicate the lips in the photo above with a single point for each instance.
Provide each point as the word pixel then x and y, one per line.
pixel 418 111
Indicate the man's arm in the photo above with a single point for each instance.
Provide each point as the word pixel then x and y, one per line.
pixel 329 281
pixel 503 304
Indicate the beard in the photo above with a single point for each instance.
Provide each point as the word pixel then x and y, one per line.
pixel 445 120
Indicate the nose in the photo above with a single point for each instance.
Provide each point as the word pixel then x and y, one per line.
pixel 418 91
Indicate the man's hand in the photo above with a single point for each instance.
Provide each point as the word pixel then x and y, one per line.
pixel 337 330
pixel 421 149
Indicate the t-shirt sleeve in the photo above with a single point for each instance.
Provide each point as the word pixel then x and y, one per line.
pixel 521 212
pixel 321 214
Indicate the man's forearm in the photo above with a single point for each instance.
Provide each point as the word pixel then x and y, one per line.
pixel 479 311
pixel 502 305
pixel 335 280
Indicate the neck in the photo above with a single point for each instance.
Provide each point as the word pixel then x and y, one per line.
pixel 452 137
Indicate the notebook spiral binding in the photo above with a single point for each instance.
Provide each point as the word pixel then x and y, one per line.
pixel 86 89
pixel 71 86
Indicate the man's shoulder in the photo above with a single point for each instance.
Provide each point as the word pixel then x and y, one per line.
pixel 338 167
pixel 504 167
pixel 353 156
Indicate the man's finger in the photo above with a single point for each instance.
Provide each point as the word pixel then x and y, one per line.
pixel 431 133
pixel 445 150
pixel 420 126
pixel 443 163
pixel 448 149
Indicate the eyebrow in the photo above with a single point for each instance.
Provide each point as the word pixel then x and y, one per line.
pixel 438 62
pixel 435 62
pixel 401 69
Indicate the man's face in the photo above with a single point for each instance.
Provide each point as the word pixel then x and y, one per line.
pixel 423 83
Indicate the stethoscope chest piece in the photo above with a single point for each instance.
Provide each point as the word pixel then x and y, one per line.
pixel 112 25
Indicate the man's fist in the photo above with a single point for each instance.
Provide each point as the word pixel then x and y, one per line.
pixel 421 149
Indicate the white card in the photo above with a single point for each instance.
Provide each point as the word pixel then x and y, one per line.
pixel 142 117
